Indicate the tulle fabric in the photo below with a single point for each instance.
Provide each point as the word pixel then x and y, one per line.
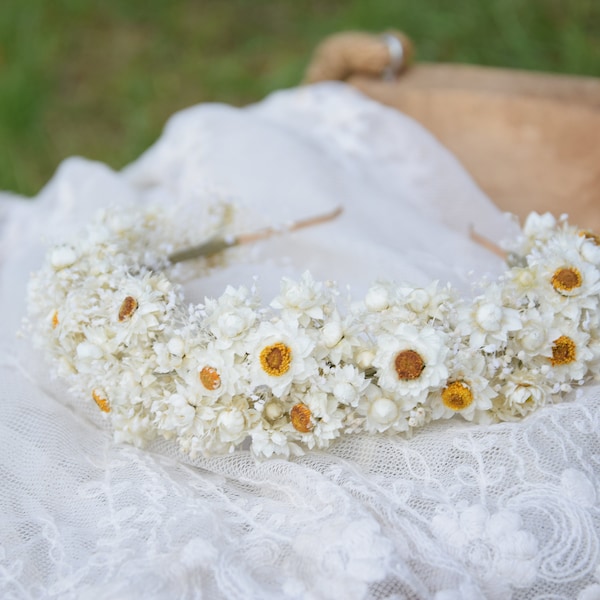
pixel 457 512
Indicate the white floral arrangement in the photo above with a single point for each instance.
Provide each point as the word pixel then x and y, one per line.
pixel 309 367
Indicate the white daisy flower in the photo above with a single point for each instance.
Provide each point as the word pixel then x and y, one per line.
pixel 382 412
pixel 279 354
pixel 170 354
pixel 133 428
pixel 267 443
pixel 487 322
pixel 303 300
pixel 315 418
pixel 173 413
pixel 384 307
pixel 539 227
pixel 379 297
pixel 432 303
pixel 566 282
pixel 411 362
pixel 536 333
pixel 346 383
pixel 232 426
pixel 364 357
pixel 231 316
pixel 210 373
pixel 201 433
pixel 339 338
pixel 566 357
pixel 467 390
pixel 139 307
pixel 274 411
pixel 519 288
pixel 536 230
pixel 521 393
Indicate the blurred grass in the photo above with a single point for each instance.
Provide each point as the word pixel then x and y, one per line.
pixel 99 79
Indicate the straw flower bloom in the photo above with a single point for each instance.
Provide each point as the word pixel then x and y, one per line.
pixel 300 372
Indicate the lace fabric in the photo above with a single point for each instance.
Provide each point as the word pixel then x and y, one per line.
pixel 458 511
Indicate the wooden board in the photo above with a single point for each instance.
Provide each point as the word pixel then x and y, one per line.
pixel 530 140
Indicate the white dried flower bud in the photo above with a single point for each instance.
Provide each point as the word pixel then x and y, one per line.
pixel 176 346
pixel 364 360
pixel 232 325
pixel 418 300
pixel 489 317
pixel 62 256
pixel 344 392
pixel 383 411
pixel 534 339
pixel 332 333
pixel 525 278
pixel 231 424
pixel 537 225
pixel 182 411
pixel 273 410
pixel 377 298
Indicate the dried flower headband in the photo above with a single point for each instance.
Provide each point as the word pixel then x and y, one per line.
pixel 306 370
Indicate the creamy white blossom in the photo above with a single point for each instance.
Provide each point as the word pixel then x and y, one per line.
pixel 381 413
pixel 521 393
pixel 312 365
pixel 305 300
pixel 411 362
pixel 487 321
pixel 279 354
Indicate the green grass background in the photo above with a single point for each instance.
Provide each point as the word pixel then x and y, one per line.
pixel 99 78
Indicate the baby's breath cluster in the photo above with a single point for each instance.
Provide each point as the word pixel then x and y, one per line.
pixel 308 368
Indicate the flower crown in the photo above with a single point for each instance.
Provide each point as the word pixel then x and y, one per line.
pixel 311 366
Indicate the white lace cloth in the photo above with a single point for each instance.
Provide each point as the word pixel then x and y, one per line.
pixel 457 512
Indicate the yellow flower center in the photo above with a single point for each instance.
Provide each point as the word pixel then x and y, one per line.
pixel 564 351
pixel 276 359
pixel 409 365
pixel 301 418
pixel 457 395
pixel 566 279
pixel 101 401
pixel 210 378
pixel 55 320
pixel 128 307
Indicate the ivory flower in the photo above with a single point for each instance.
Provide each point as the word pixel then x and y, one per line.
pixel 410 363
pixel 300 372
